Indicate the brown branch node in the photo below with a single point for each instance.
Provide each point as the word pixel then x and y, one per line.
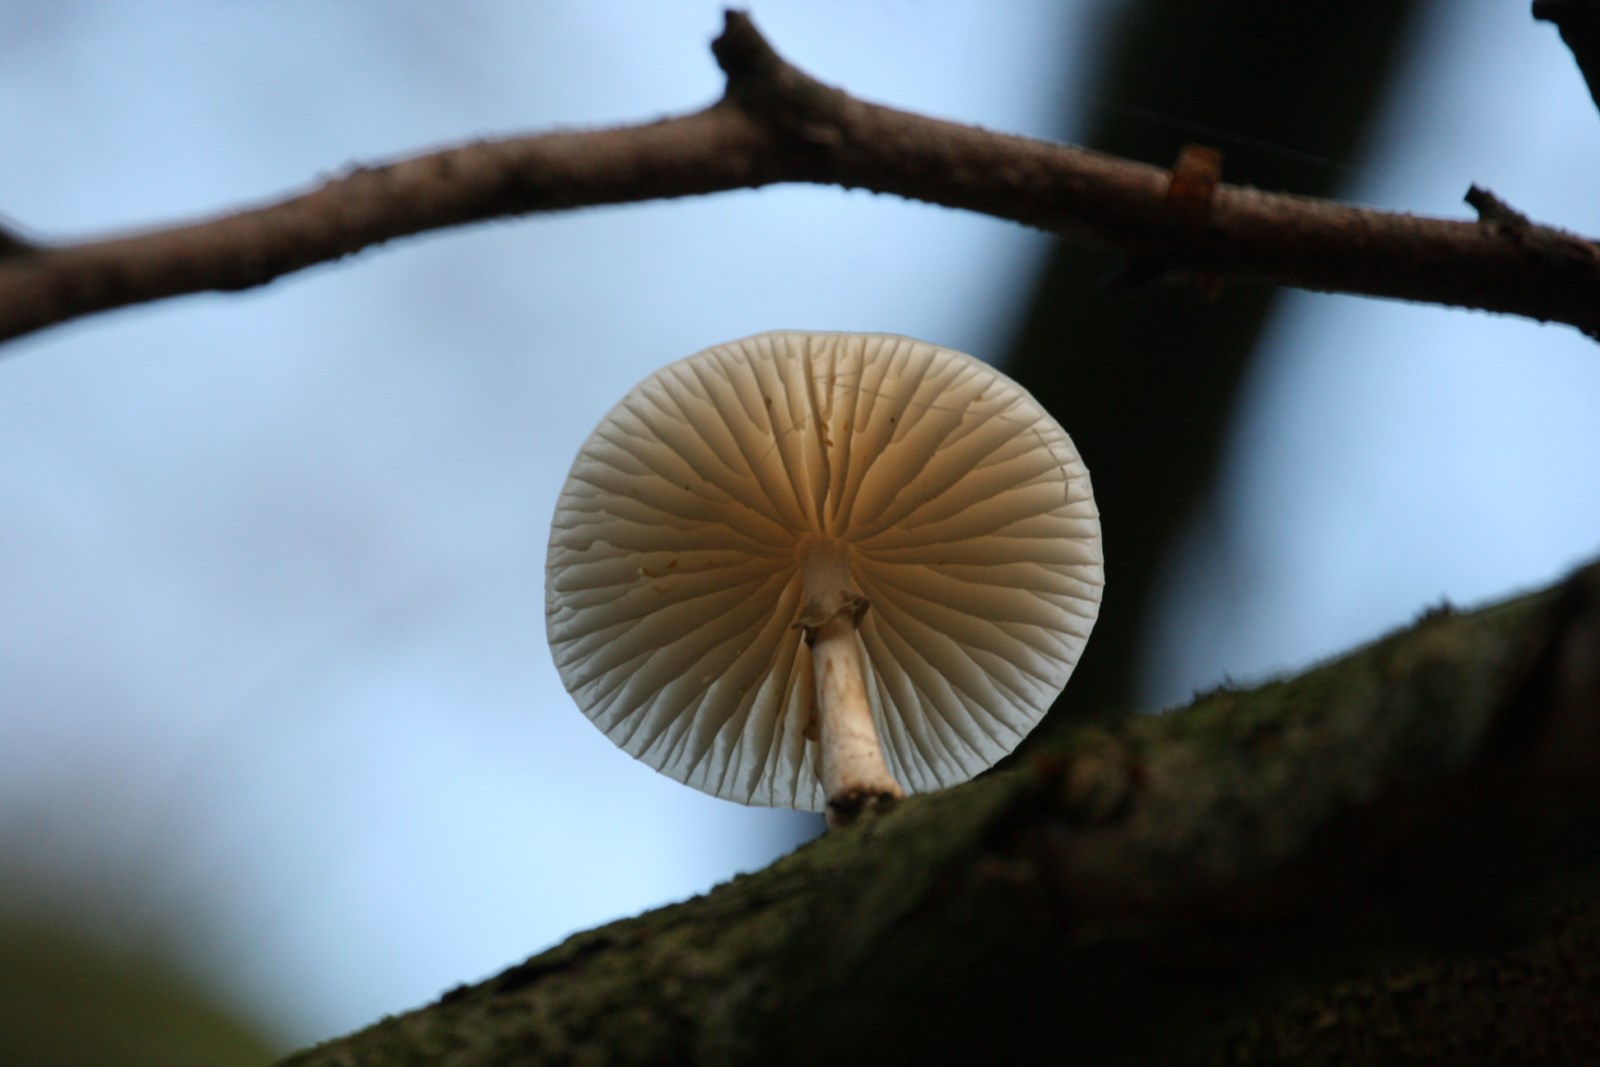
pixel 780 96
pixel 1491 209
pixel 744 54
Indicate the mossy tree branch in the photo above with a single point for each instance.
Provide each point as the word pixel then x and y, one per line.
pixel 1150 892
pixel 777 124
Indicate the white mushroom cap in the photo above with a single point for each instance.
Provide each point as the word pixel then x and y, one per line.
pixel 673 582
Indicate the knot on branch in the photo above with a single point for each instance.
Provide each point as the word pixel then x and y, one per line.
pixel 1491 208
pixel 773 91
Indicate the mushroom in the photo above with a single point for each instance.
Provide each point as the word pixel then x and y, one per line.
pixel 816 570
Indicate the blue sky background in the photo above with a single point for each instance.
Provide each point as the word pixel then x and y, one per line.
pixel 274 691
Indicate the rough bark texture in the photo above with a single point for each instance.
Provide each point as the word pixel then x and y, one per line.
pixel 777 124
pixel 1193 888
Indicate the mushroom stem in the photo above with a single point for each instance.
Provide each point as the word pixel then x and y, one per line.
pixel 854 774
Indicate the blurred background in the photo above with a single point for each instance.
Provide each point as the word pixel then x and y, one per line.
pixel 281 745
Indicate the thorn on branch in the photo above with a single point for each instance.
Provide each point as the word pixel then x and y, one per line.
pixel 1579 24
pixel 1491 208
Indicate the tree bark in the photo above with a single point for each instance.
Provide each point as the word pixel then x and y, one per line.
pixel 1179 889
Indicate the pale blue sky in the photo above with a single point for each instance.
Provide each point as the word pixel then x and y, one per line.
pixel 273 680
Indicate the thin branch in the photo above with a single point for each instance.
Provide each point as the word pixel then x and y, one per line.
pixel 1579 23
pixel 777 124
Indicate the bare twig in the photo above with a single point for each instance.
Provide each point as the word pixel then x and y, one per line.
pixel 777 124
pixel 1579 23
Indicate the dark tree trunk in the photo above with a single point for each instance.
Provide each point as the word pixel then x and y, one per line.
pixel 1147 381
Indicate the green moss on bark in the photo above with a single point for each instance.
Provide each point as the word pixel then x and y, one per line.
pixel 1127 897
